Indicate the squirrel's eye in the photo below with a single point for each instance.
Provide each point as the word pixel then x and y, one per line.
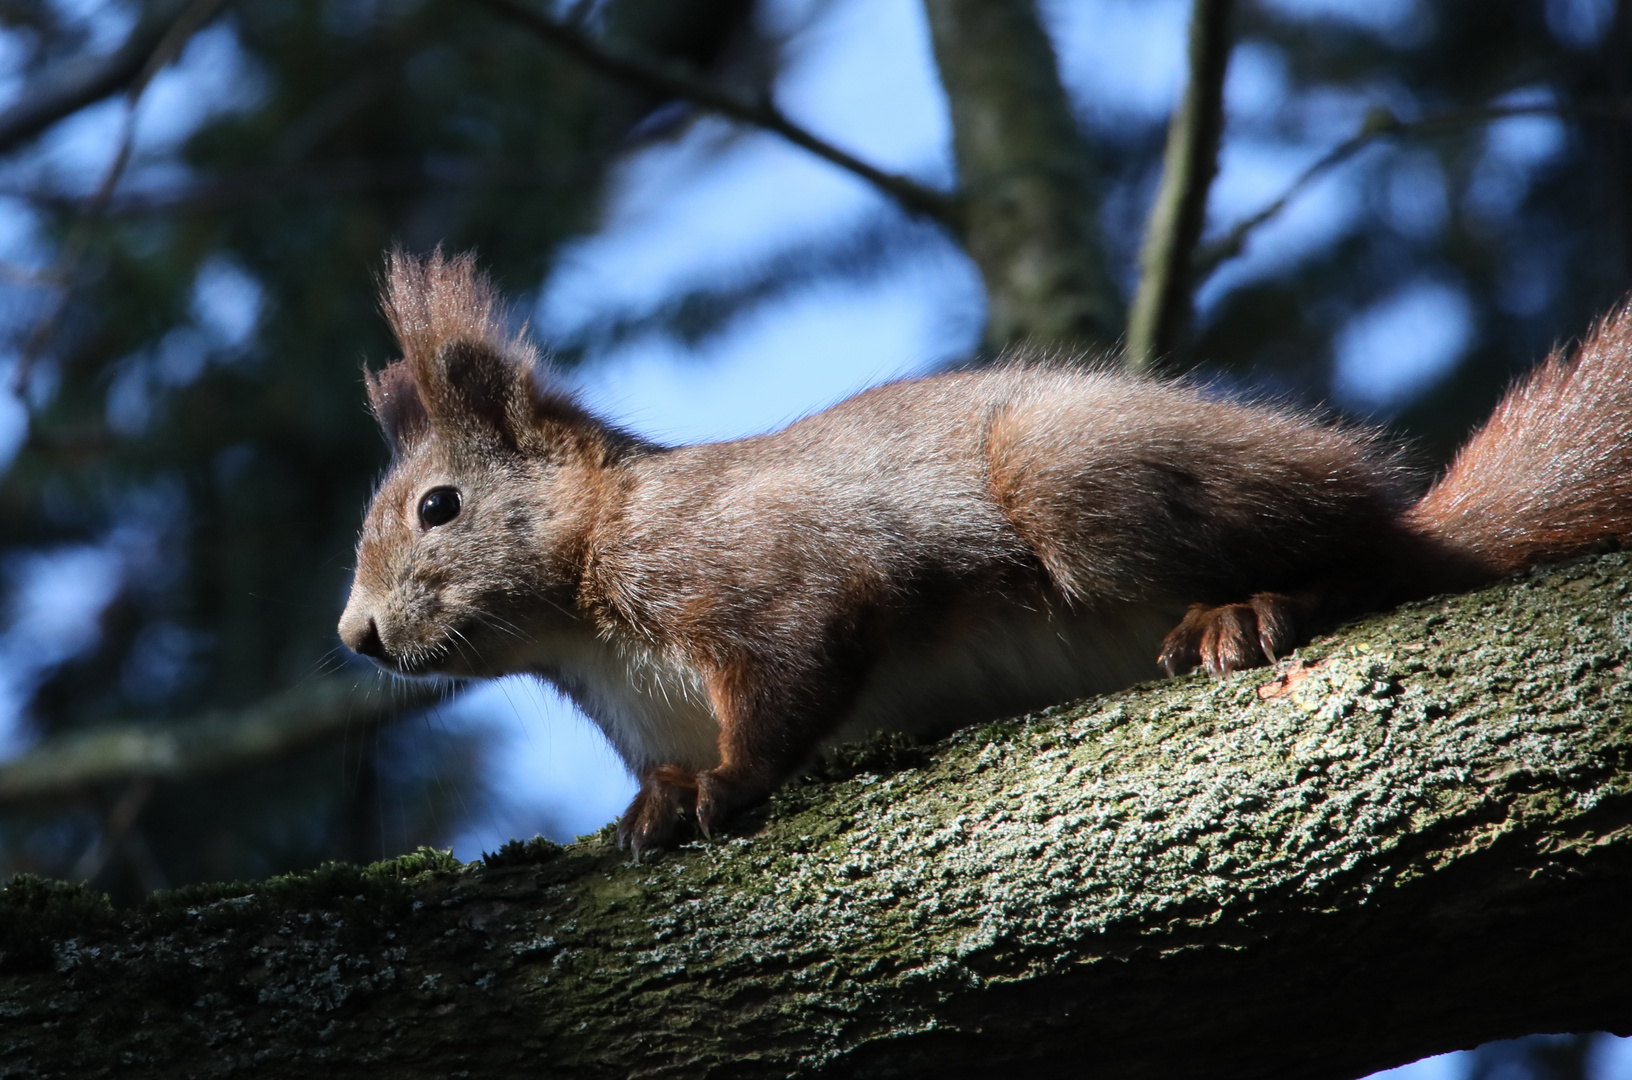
pixel 438 507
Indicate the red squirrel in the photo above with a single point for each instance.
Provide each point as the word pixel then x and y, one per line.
pixel 925 554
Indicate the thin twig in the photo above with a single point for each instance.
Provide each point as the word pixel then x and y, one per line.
pixel 330 179
pixel 73 85
pixel 191 19
pixel 119 821
pixel 1379 124
pixel 671 81
pixel 1161 307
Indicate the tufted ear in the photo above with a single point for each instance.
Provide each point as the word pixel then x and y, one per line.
pixel 394 397
pixel 462 374
pixel 481 392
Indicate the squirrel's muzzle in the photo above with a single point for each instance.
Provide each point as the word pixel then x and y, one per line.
pixel 361 634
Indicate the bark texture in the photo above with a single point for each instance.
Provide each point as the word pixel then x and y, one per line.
pixel 1026 181
pixel 1414 836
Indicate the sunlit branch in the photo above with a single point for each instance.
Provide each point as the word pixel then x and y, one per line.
pixel 675 82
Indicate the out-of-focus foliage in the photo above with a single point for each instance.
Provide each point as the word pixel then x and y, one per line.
pixel 198 412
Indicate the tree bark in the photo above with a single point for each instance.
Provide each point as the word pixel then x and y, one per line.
pixel 1414 836
pixel 1025 177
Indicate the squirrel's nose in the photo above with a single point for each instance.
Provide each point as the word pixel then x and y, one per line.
pixel 370 644
pixel 362 635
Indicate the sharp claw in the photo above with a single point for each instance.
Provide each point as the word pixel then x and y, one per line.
pixel 703 813
pixel 1269 650
pixel 1217 665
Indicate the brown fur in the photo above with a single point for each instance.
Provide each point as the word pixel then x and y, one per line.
pixel 924 554
pixel 1550 473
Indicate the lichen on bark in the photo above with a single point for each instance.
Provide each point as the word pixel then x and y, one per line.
pixel 1410 837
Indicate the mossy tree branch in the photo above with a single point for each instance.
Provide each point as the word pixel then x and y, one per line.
pixel 1161 306
pixel 1311 873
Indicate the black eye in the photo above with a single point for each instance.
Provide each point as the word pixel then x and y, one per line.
pixel 438 507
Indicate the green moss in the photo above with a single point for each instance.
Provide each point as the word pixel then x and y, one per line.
pixel 418 865
pixel 881 753
pixel 365 895
pixel 36 913
pixel 522 853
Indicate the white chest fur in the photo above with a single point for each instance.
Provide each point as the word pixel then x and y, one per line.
pixel 653 710
pixel 985 662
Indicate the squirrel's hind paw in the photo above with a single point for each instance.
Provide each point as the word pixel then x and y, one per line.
pixel 1229 637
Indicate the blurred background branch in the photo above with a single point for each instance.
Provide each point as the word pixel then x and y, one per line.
pixel 73 767
pixel 188 21
pixel 1027 177
pixel 83 80
pixel 1160 313
pixel 669 80
pixel 1381 124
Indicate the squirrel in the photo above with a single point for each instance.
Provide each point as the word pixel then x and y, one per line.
pixel 927 553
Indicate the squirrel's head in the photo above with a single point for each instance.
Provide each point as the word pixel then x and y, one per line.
pixel 473 544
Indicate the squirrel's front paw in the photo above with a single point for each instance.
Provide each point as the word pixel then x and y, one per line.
pixel 667 797
pixel 1229 637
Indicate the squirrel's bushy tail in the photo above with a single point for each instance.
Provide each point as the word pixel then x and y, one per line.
pixel 1550 473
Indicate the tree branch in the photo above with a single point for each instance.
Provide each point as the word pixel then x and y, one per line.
pixel 187 22
pixel 330 179
pixel 73 766
pixel 74 85
pixel 1030 199
pixel 1311 874
pixel 84 81
pixel 1380 124
pixel 672 81
pixel 1161 307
